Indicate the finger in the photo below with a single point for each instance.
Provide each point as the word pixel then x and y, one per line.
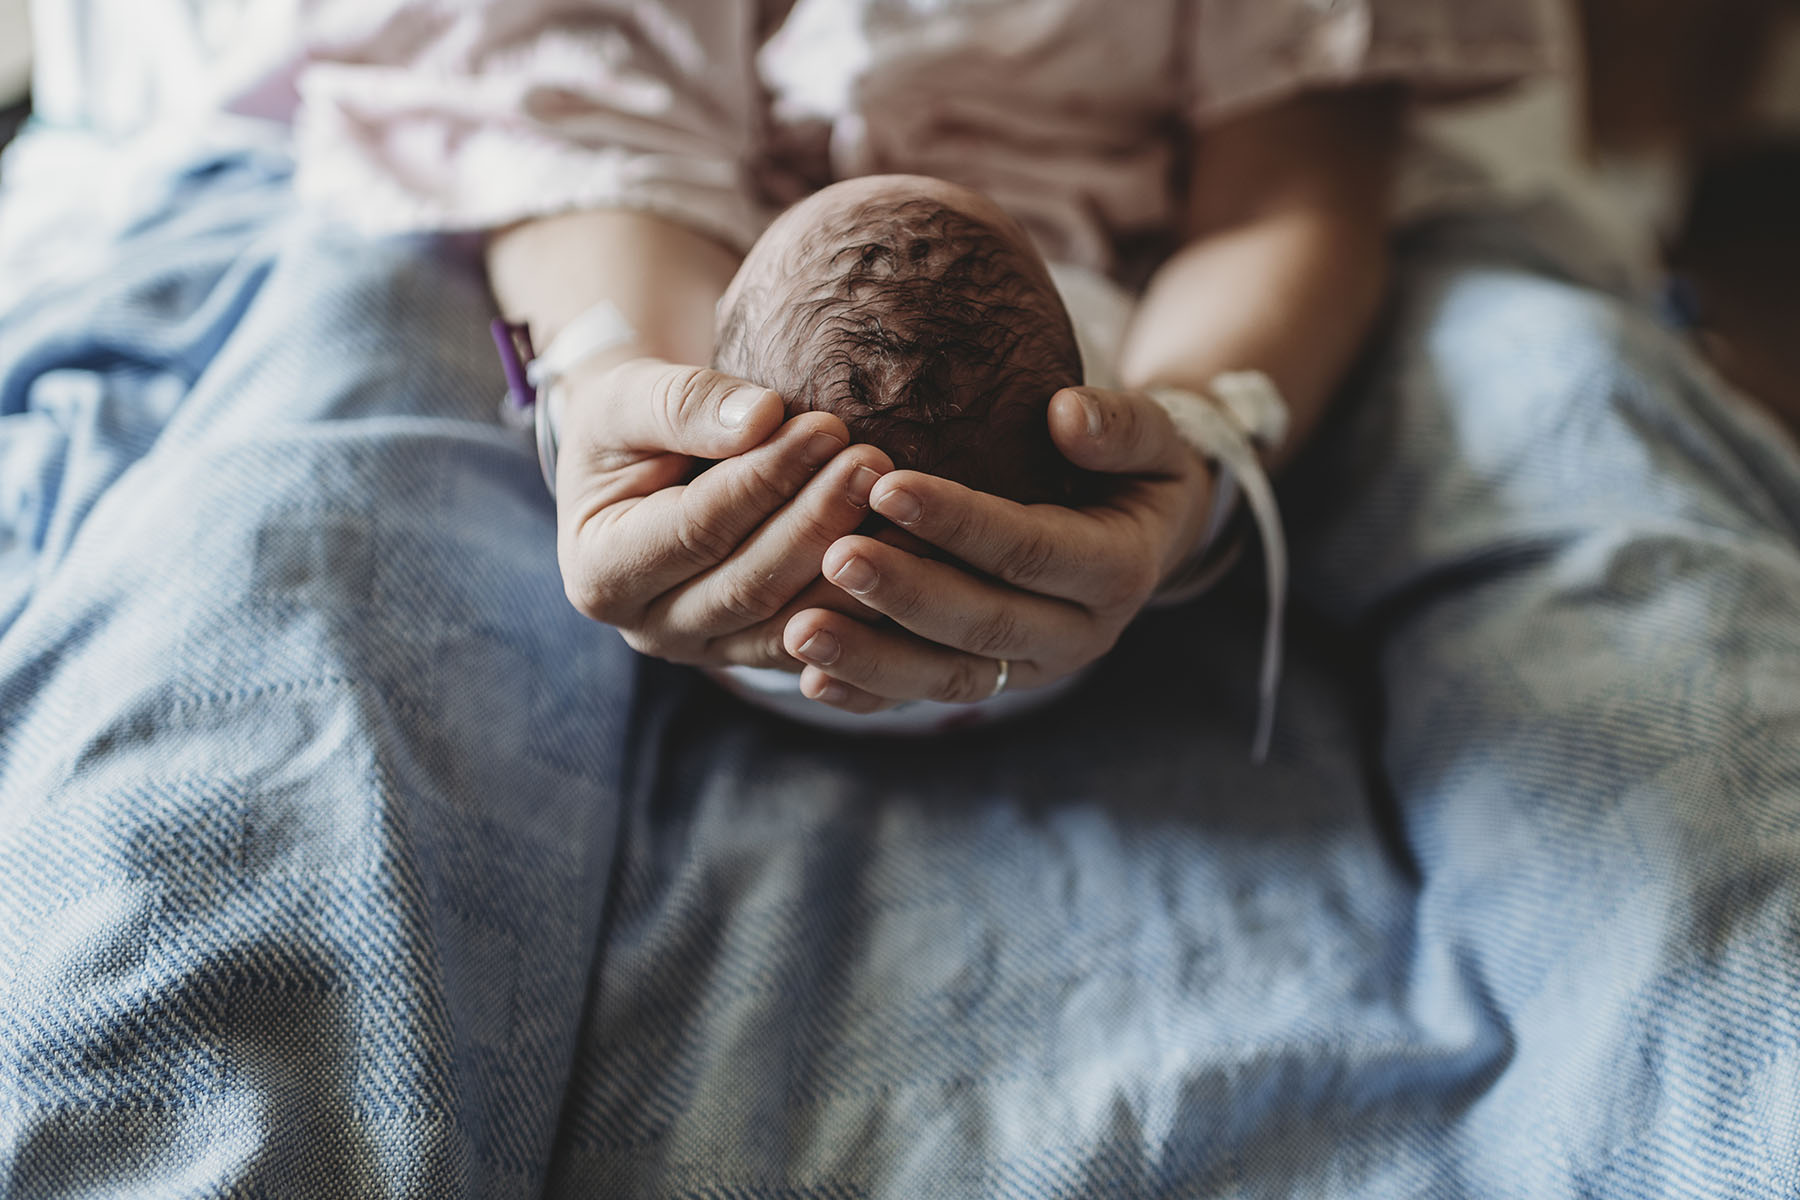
pixel 821 594
pixel 762 645
pixel 816 685
pixel 780 558
pixel 618 556
pixel 647 405
pixel 1117 433
pixel 582 491
pixel 1090 556
pixel 891 663
pixel 943 603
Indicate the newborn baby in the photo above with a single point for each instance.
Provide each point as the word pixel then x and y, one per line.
pixel 920 314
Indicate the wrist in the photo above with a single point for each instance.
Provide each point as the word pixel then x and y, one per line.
pixel 1228 426
pixel 1210 541
pixel 596 340
pixel 1239 415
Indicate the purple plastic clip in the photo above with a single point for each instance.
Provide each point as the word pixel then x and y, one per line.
pixel 514 343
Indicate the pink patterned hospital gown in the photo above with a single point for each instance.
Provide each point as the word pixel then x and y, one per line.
pixel 415 115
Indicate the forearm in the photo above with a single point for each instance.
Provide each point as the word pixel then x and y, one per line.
pixel 1287 257
pixel 664 278
pixel 1292 294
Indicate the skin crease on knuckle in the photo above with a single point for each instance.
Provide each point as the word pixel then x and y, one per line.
pixel 678 393
pixel 996 635
pixel 819 517
pixel 586 589
pixel 964 684
pixel 824 511
pixel 956 524
pixel 1024 562
pixel 748 601
pixel 770 652
pixel 763 485
pixel 695 529
pixel 823 514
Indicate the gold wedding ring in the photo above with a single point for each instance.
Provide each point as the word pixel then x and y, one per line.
pixel 1005 665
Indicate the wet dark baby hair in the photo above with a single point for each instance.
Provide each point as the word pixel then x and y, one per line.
pixel 930 333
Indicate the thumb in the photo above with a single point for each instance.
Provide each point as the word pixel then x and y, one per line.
pixel 668 408
pixel 1114 432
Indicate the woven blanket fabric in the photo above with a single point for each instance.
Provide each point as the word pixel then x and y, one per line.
pixel 339 856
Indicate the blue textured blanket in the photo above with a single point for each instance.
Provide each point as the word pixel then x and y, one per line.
pixel 338 856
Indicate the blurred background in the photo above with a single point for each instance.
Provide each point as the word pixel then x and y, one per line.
pixel 15 63
pixel 1675 133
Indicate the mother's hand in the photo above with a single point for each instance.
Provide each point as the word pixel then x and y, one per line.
pixel 707 570
pixel 1056 586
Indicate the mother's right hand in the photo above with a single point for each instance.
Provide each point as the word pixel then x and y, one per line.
pixel 707 570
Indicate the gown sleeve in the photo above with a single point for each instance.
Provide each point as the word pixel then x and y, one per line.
pixel 1246 53
pixel 469 116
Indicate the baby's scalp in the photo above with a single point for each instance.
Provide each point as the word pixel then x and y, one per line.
pixel 930 327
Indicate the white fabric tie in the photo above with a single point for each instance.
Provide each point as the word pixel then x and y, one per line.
pixel 595 331
pixel 1244 414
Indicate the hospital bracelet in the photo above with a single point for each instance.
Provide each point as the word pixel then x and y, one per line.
pixel 531 378
pixel 1242 414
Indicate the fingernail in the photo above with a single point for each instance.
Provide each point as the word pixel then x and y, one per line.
pixel 901 507
pixel 734 410
pixel 1090 408
pixel 856 576
pixel 862 482
pixel 821 448
pixel 820 649
pixel 833 693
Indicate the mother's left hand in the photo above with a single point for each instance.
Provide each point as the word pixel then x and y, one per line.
pixel 1056 585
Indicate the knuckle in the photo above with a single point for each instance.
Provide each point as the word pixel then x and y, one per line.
pixel 748 601
pixel 646 642
pixel 822 522
pixel 679 395
pixel 591 598
pixel 698 534
pixel 769 650
pixel 957 526
pixel 995 635
pixel 903 603
pixel 762 487
pixel 1026 560
pixel 964 683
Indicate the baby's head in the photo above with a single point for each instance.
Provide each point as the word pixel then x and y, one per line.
pixel 917 312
